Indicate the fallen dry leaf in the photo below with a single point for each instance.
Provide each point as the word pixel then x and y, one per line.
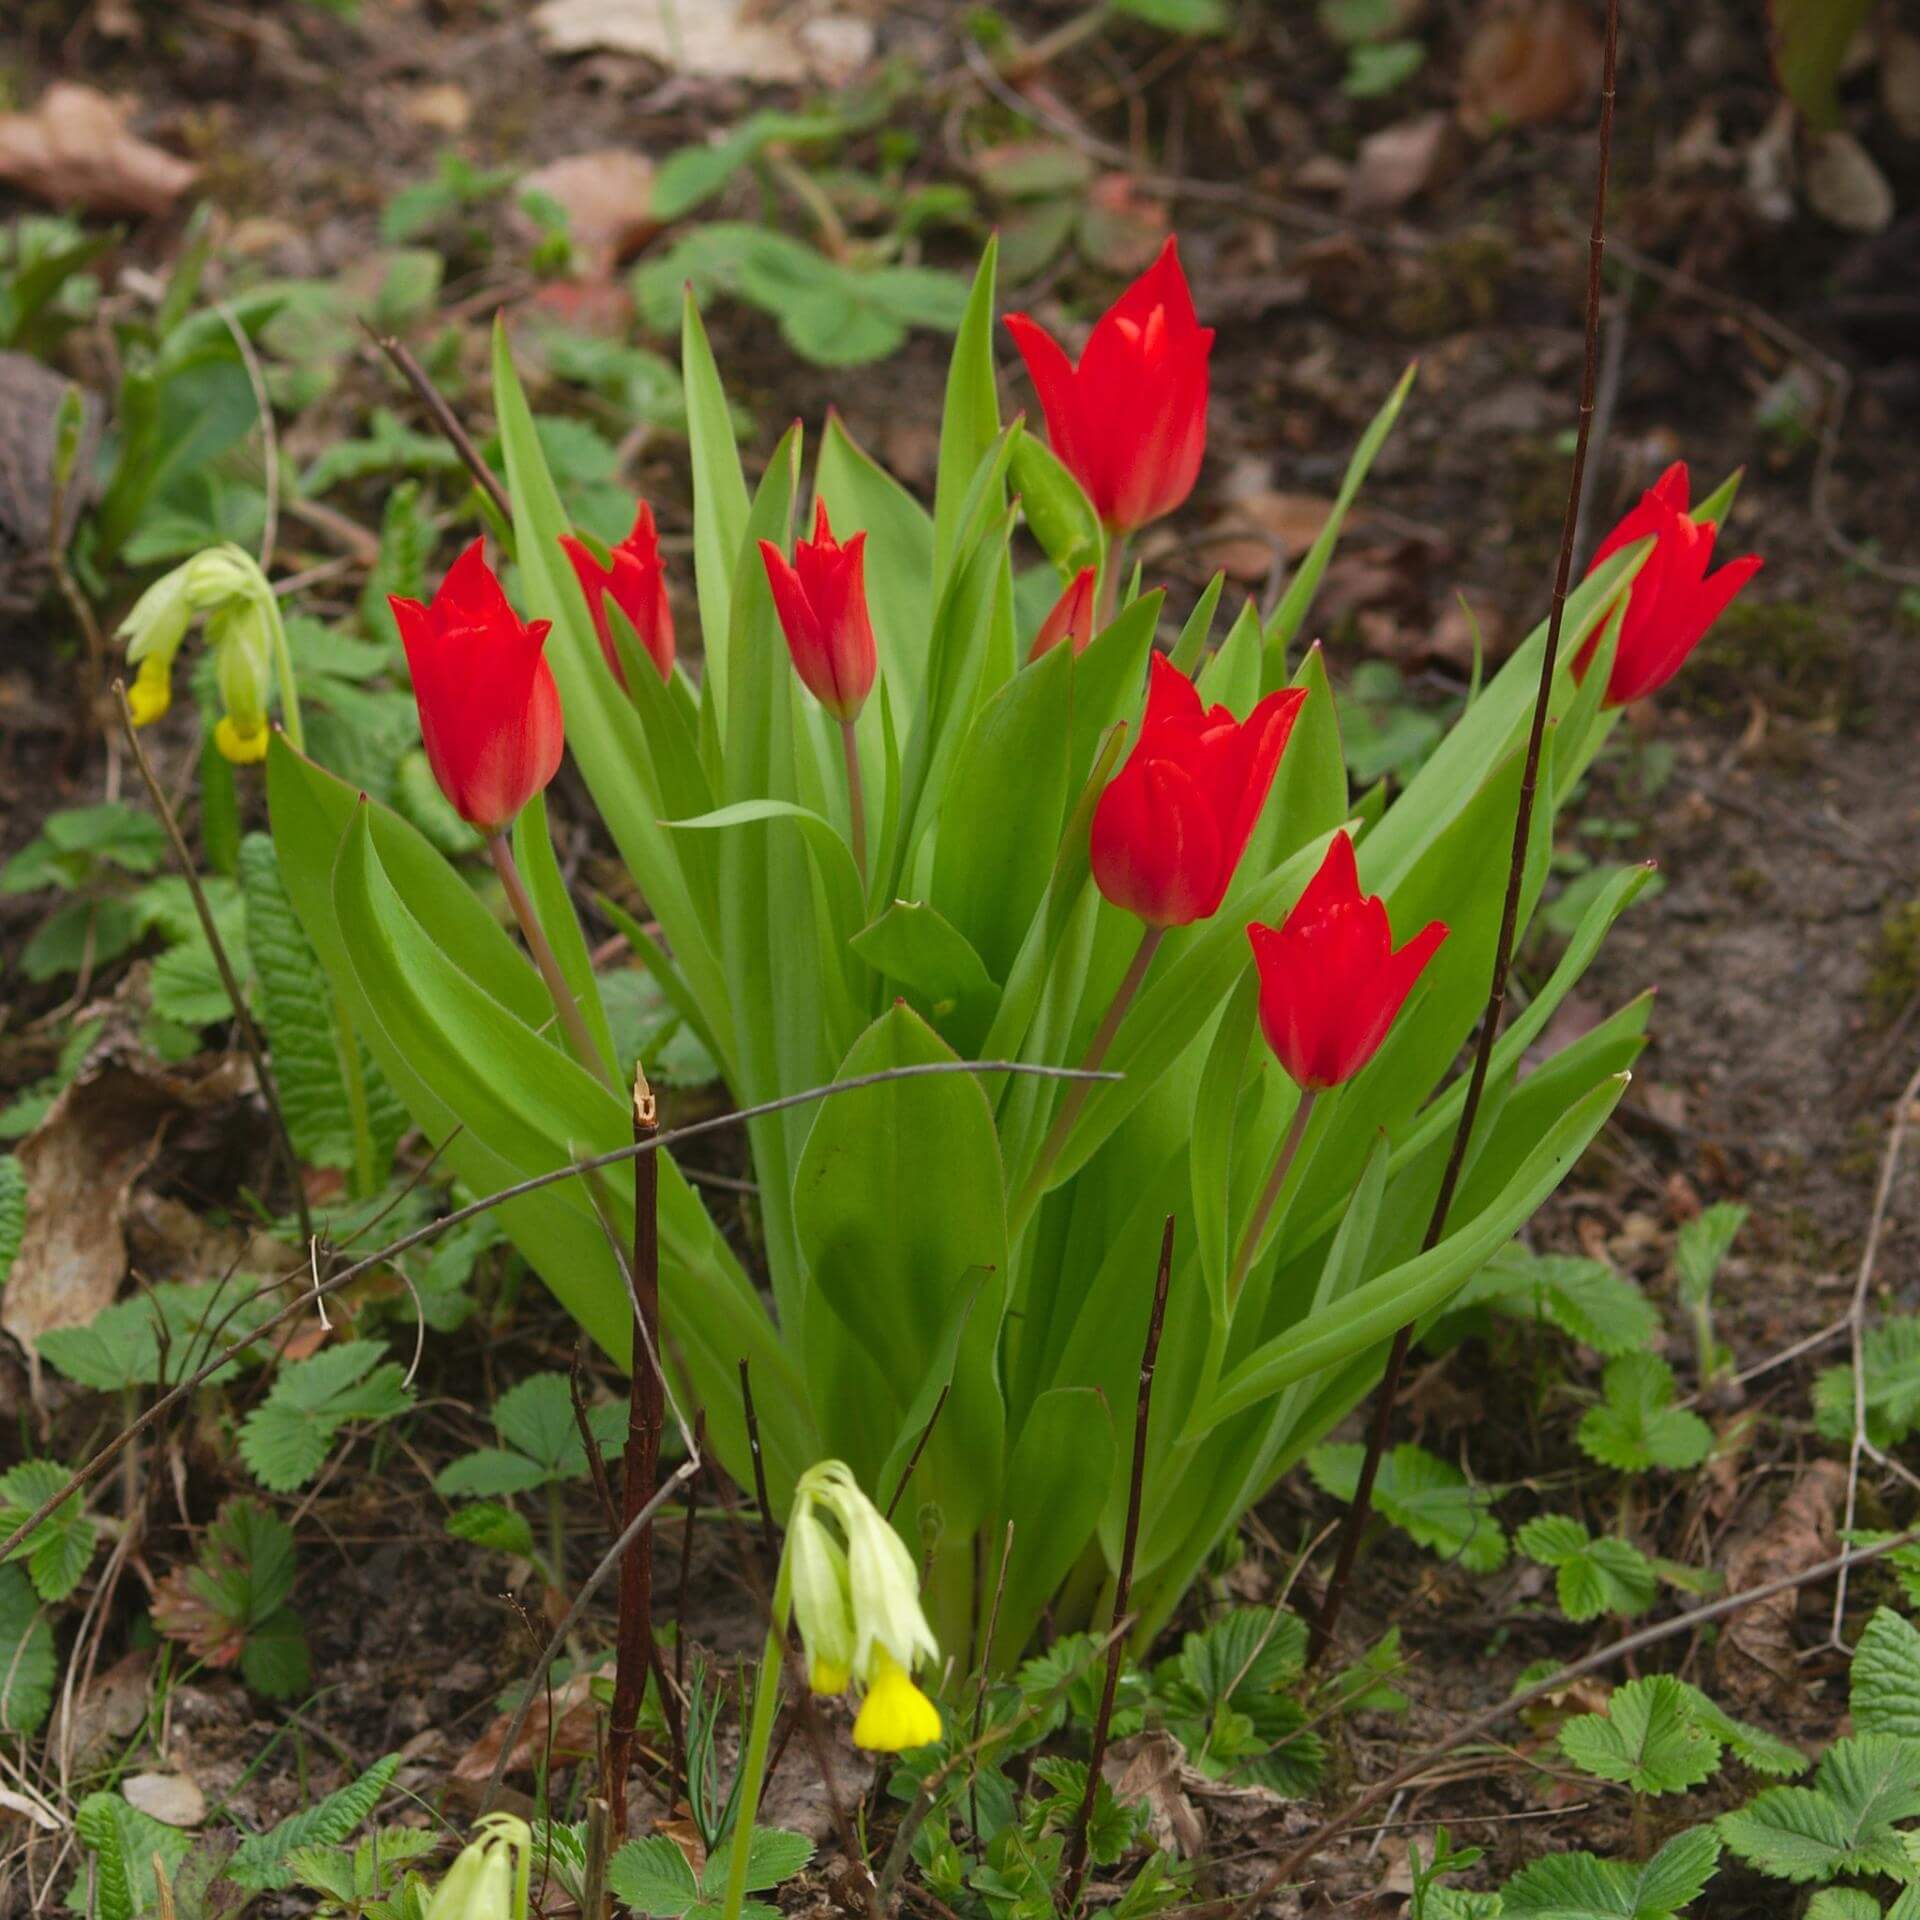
pixel 174 1799
pixel 443 106
pixel 1845 186
pixel 568 1709
pixel 113 1707
pixel 73 149
pixel 716 40
pixel 81 1163
pixel 1399 163
pixel 607 196
pixel 1755 1659
pixel 1149 1767
pixel 1526 63
pixel 1257 526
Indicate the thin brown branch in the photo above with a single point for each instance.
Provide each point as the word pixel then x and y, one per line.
pixel 919 1447
pixel 444 417
pixel 1356 1520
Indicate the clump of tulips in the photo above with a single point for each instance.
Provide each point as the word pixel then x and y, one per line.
pixel 941 789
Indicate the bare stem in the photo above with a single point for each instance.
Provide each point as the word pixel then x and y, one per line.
pixel 1076 1860
pixel 1269 1198
pixel 1358 1509
pixel 249 1033
pixel 1075 1096
pixel 535 935
pixel 646 1415
pixel 444 417
pixel 856 798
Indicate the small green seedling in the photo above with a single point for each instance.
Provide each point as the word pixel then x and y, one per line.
pixel 1698 1250
pixel 1637 1428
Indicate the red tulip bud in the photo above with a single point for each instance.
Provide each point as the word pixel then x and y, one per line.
pixel 1171 827
pixel 1672 602
pixel 1331 984
pixel 1129 419
pixel 821 597
pixel 489 712
pixel 636 580
pixel 1071 618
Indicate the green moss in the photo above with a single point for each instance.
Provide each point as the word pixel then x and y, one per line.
pixel 1455 284
pixel 1893 977
pixel 1794 659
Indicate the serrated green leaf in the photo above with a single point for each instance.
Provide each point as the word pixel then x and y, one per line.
pixel 1639 1427
pixel 123 1842
pixel 1843 1823
pixel 487 1524
pixel 1701 1245
pixel 773 1855
pixel 276 1660
pixel 1885 1684
pixel 287 1437
pixel 1843 1903
pixel 1752 1746
pixel 1646 1739
pixel 1577 1886
pixel 1890 1365
pixel 58 1550
pixel 28 1665
pixel 295 1006
pixel 185 985
pixel 1427 1498
pixel 652 1876
pixel 1606 1575
pixel 261 1866
pixel 1585 1299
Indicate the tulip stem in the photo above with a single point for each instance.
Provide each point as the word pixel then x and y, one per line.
pixel 1269 1198
pixel 1109 600
pixel 538 945
pixel 1075 1096
pixel 753 1763
pixel 856 798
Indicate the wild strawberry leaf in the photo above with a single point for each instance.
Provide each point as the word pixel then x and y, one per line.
pixel 286 1438
pixel 1427 1498
pixel 1638 1427
pixel 1647 1739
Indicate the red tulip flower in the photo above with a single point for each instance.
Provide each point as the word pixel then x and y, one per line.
pixel 1071 618
pixel 1171 827
pixel 822 601
pixel 1130 419
pixel 489 711
pixel 1672 601
pixel 636 581
pixel 1331 984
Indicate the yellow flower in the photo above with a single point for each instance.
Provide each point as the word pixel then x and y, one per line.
pixel 242 746
pixel 824 1677
pixel 152 691
pixel 895 1715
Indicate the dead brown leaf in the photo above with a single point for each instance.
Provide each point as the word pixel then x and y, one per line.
pixel 1257 526
pixel 717 40
pixel 112 1708
pixel 607 196
pixel 1900 81
pixel 174 1799
pixel 1149 1767
pixel 81 1163
pixel 443 105
pixel 1399 163
pixel 568 1710
pixel 1755 1659
pixel 1528 61
pixel 1121 229
pixel 74 149
pixel 1845 186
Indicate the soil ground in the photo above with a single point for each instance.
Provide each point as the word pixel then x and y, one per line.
pixel 1783 810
